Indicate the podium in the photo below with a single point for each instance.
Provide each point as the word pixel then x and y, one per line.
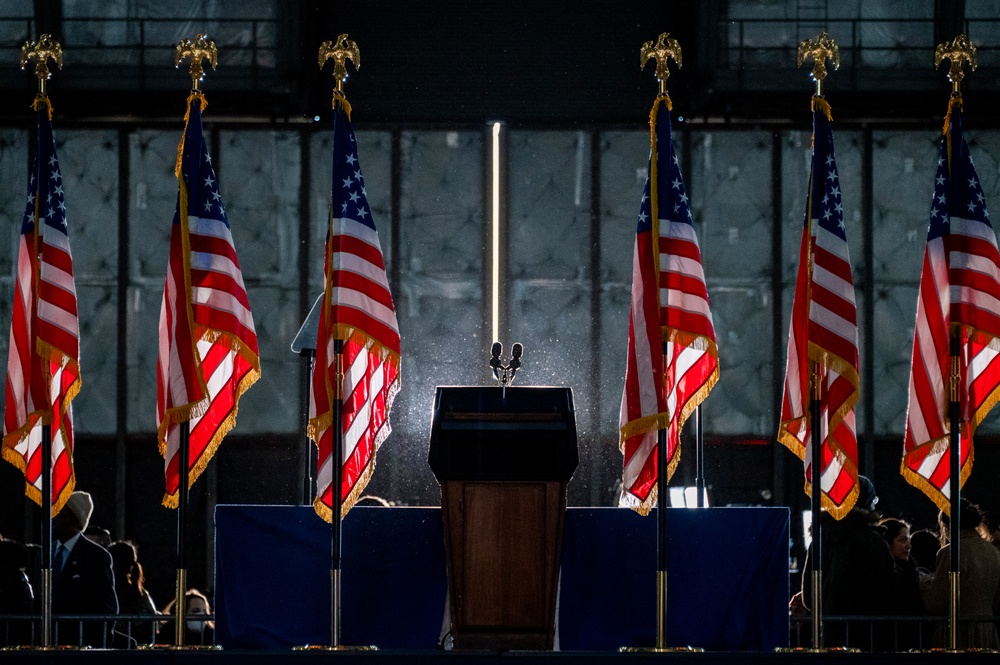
pixel 503 458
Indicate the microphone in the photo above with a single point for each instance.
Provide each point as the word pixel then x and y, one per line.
pixel 515 358
pixel 495 359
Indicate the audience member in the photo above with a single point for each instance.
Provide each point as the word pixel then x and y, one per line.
pixel 905 598
pixel 197 629
pixel 924 546
pixel 99 535
pixel 857 571
pixel 133 599
pixel 82 579
pixel 16 594
pixel 979 582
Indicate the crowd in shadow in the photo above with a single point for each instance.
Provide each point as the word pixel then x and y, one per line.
pixel 99 598
pixel 885 587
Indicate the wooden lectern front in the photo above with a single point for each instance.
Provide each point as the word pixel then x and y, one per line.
pixel 503 459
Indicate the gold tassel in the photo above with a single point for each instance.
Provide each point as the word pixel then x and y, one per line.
pixel 43 101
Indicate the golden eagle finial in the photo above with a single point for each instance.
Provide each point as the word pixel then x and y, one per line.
pixel 665 47
pixel 819 50
pixel 44 49
pixel 342 50
pixel 956 50
pixel 202 48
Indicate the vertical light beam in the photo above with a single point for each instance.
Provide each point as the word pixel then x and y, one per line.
pixel 495 311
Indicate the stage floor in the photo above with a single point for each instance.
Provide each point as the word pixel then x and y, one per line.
pixel 240 657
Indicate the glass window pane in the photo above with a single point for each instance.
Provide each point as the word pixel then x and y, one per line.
pixel 95 408
pixel 895 312
pixel 730 188
pixel 624 161
pixel 88 162
pixel 550 272
pixel 152 203
pixel 439 305
pixel 14 168
pixel 549 261
pixel 259 175
pixel 903 165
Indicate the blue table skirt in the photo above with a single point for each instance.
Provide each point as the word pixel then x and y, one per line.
pixel 727 578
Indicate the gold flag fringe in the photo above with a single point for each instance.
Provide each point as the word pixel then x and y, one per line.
pixel 33 493
pixel 935 447
pixel 187 118
pixel 42 100
pixel 823 105
pixel 642 425
pixel 955 103
pixel 324 511
pixel 341 100
pixel 641 507
pixel 838 512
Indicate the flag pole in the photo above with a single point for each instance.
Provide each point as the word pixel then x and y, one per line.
pixel 959 49
pixel 200 49
pixel 819 49
pixel 335 495
pixel 42 51
pixel 815 549
pixel 662 50
pixel 661 530
pixel 182 509
pixel 47 580
pixel 699 457
pixel 955 490
pixel 340 51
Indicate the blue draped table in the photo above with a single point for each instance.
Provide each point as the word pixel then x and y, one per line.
pixel 727 578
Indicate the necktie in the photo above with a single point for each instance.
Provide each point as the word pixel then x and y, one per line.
pixel 59 561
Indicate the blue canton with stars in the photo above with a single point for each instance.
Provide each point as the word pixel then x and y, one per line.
pixel 204 200
pixel 958 194
pixel 827 203
pixel 45 188
pixel 672 198
pixel 349 198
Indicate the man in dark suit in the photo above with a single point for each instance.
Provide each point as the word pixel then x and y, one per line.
pixel 82 577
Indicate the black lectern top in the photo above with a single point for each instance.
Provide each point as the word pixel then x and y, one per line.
pixel 483 433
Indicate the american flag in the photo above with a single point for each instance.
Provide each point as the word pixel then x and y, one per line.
pixel 673 361
pixel 43 371
pixel 959 295
pixel 357 310
pixel 824 334
pixel 208 346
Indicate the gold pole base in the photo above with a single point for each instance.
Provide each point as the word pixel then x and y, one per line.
pixel 661 650
pixel 339 647
pixel 822 650
pixel 60 647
